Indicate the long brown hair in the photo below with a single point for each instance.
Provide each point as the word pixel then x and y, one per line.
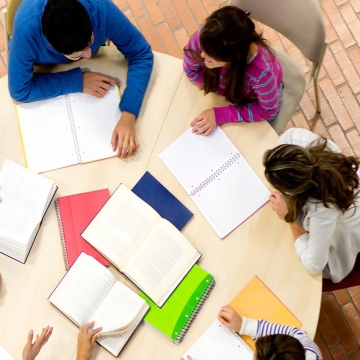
pixel 313 172
pixel 226 36
pixel 279 347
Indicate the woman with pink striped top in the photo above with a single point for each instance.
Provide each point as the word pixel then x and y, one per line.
pixel 227 56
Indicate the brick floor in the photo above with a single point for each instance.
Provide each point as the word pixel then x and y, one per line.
pixel 167 25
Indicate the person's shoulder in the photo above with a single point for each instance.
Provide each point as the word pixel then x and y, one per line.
pixel 261 64
pixel 29 14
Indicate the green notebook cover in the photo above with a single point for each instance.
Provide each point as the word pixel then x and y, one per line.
pixel 179 311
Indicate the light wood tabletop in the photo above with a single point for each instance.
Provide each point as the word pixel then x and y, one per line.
pixel 262 246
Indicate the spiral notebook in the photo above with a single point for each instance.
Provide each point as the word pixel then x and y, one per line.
pixel 219 342
pixel 175 317
pixel 217 178
pixel 74 213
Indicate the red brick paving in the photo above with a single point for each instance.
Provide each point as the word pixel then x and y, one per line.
pixel 167 25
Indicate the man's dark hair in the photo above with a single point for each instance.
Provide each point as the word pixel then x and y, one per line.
pixel 66 25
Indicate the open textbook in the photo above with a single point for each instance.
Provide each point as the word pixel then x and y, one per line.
pixel 25 197
pixel 217 178
pixel 89 292
pixel 68 129
pixel 148 249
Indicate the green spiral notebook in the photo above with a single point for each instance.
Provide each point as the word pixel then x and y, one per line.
pixel 174 318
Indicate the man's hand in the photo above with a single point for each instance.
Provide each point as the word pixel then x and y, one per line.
pixel 205 123
pixel 32 349
pixel 230 318
pixel 279 204
pixel 96 84
pixel 86 341
pixel 124 135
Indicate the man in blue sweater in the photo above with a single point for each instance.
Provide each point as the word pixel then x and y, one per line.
pixel 56 31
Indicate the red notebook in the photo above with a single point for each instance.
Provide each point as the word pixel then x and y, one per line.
pixel 74 213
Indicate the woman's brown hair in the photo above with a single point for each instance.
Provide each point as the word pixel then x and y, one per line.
pixel 279 347
pixel 226 36
pixel 314 172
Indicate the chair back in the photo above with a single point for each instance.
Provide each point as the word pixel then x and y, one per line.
pixel 11 10
pixel 300 21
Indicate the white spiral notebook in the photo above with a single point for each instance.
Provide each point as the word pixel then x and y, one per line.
pixel 218 342
pixel 217 178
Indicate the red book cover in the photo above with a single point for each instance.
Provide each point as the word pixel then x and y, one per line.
pixel 74 213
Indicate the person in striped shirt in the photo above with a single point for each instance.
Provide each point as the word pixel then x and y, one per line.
pixel 228 57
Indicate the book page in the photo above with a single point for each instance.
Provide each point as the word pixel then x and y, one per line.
pixel 25 190
pixel 94 122
pixel 120 225
pixel 16 227
pixel 82 289
pixel 193 158
pixel 218 342
pixel 120 308
pixel 46 134
pixel 162 261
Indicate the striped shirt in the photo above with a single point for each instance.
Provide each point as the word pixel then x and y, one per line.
pixel 263 77
pixel 259 328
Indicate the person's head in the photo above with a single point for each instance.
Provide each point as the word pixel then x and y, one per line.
pixel 67 27
pixel 278 347
pixel 313 172
pixel 225 40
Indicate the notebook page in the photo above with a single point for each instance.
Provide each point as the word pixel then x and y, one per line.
pixel 193 158
pixel 94 122
pixel 233 196
pixel 218 342
pixel 4 355
pixel 46 134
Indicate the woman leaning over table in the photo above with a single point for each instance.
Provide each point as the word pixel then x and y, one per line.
pixel 228 57
pixel 317 193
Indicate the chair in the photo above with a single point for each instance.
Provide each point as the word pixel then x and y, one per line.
pixel 8 20
pixel 353 279
pixel 302 23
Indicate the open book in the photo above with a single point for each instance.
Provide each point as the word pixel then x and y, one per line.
pixel 25 196
pixel 69 129
pixel 148 249
pixel 219 342
pixel 89 292
pixel 217 177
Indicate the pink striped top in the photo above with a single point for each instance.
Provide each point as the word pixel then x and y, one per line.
pixel 263 76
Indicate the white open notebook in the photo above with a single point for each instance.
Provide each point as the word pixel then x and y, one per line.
pixel 69 129
pixel 218 342
pixel 217 177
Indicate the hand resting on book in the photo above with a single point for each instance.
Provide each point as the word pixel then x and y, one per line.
pixel 86 341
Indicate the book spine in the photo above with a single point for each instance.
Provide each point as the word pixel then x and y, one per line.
pixel 193 315
pixel 61 231
pixel 215 174
pixel 73 129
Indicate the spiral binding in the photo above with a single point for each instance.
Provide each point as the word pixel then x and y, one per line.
pixel 193 315
pixel 73 130
pixel 216 174
pixel 61 231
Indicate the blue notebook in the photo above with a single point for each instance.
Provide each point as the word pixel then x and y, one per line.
pixel 162 200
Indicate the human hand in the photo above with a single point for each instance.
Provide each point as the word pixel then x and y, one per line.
pixel 124 135
pixel 96 84
pixel 31 350
pixel 205 123
pixel 279 204
pixel 188 358
pixel 86 341
pixel 230 318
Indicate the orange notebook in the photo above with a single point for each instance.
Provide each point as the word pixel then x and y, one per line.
pixel 74 213
pixel 257 301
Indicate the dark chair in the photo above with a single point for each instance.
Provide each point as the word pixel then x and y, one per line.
pixel 353 279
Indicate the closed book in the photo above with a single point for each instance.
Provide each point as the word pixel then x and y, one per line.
pixel 175 317
pixel 74 213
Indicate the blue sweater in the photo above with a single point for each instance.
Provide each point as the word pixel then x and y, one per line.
pixel 29 46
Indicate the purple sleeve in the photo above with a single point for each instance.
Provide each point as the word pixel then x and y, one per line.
pixel 193 69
